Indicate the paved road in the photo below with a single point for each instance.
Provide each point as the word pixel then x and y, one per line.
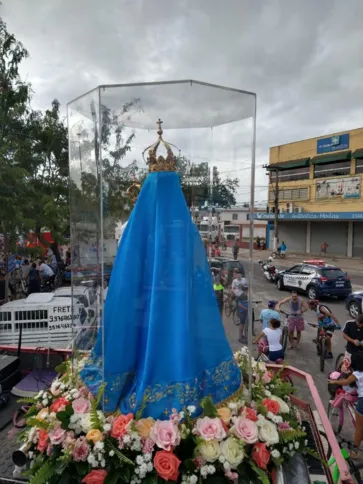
pixel 305 358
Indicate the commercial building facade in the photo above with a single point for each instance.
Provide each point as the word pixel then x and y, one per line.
pixel 319 193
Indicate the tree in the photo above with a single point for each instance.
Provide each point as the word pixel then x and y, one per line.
pixel 14 143
pixel 48 188
pixel 197 187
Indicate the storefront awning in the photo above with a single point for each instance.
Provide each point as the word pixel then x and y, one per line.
pixel 358 154
pixel 287 165
pixel 331 158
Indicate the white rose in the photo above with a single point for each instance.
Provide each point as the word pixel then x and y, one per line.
pixel 209 450
pixel 284 408
pixel 267 432
pixel 262 366
pixel 85 423
pixel 233 451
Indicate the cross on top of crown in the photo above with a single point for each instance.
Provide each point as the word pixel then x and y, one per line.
pixel 160 130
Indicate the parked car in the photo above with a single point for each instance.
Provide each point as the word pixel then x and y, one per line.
pixel 85 295
pixel 315 280
pixel 354 303
pixel 225 268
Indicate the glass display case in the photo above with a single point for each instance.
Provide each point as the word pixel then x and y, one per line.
pixel 211 131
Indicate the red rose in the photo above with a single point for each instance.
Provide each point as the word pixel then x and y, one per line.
pixel 261 455
pixel 42 440
pixel 119 425
pixel 59 405
pixel 271 405
pixel 249 413
pixel 167 465
pixel 97 476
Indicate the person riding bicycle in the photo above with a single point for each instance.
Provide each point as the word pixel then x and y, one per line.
pixel 357 377
pixel 326 320
pixel 274 338
pixel 297 307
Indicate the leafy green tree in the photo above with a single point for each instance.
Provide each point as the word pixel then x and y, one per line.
pixel 14 143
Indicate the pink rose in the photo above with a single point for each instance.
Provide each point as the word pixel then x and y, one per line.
pixel 266 378
pixel 43 438
pixel 246 430
pixel 284 426
pixel 57 436
pixel 165 434
pixel 232 476
pixel 80 450
pixel 210 428
pixel 59 405
pixel 81 405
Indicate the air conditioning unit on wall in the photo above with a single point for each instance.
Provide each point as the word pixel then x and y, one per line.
pixel 298 210
pixel 290 207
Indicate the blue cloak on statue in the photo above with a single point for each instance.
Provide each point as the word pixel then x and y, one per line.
pixel 164 340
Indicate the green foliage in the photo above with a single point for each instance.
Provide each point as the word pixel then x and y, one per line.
pixel 120 456
pixel 261 474
pixel 27 400
pixel 95 403
pixel 40 424
pixel 112 477
pixel 209 410
pixel 287 436
pixel 44 474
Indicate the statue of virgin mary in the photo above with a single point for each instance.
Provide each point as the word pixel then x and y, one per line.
pixel 164 344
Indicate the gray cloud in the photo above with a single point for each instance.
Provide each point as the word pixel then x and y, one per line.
pixel 303 59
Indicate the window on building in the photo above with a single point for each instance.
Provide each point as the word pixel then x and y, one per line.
pixel 332 169
pixel 235 216
pixel 291 175
pixel 359 167
pixel 291 194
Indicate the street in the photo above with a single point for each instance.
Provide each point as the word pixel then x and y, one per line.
pixel 306 358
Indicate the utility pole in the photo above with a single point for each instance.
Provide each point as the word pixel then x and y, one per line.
pixel 274 168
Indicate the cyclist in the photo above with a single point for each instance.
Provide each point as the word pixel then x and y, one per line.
pixel 326 320
pixel 357 377
pixel 297 307
pixel 274 335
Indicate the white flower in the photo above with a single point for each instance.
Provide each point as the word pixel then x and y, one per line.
pixel 111 453
pixel 297 445
pixel 55 388
pixel 267 432
pixel 204 471
pixel 222 459
pixel 107 427
pixel 139 460
pixel 209 450
pixel 291 446
pixel 150 467
pixel 267 393
pixel 275 454
pixel 193 479
pixel 232 406
pixel 211 469
pixel 191 409
pixel 99 446
pixel 85 422
pixel 45 402
pixel 261 366
pixel 270 415
pixel 284 408
pixel 147 457
pixel 227 466
pixel 30 454
pixel 39 395
pixel 233 451
pixel 126 439
pixel 103 463
pixel 276 419
pixel 305 442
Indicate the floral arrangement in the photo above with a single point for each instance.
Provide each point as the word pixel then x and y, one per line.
pixel 69 440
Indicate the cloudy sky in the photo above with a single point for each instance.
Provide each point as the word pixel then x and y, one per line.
pixel 304 59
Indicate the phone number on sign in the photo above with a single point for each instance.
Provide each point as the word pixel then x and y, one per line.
pixel 62 326
pixel 66 317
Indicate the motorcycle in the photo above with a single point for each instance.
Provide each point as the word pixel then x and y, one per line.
pixel 269 270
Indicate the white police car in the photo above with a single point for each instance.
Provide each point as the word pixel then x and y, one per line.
pixel 315 280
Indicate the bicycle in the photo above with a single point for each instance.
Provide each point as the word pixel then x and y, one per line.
pixel 336 409
pixel 285 330
pixel 354 470
pixel 236 318
pixel 320 341
pixel 276 254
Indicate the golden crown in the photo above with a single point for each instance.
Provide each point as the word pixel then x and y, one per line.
pixel 133 191
pixel 159 163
